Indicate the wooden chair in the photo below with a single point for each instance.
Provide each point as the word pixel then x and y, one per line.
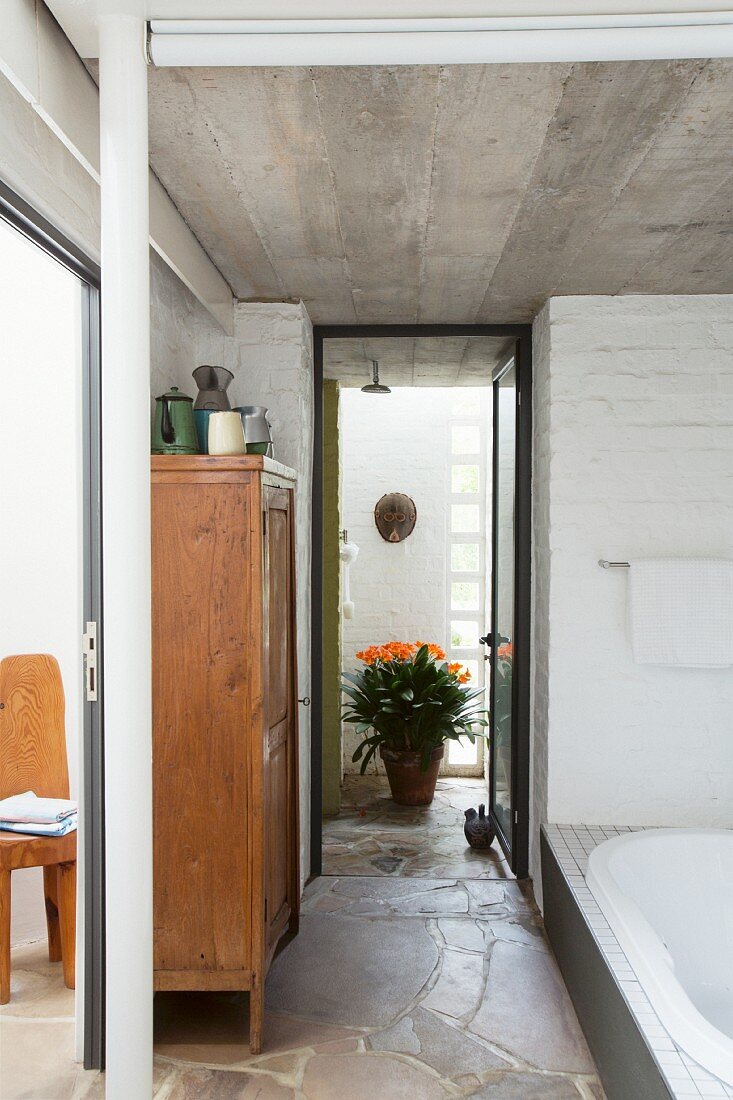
pixel 33 758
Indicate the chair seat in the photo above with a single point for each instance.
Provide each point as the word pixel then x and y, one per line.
pixel 24 850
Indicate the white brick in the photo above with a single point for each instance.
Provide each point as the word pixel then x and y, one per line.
pixel 633 456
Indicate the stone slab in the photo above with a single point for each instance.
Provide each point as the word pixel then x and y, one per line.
pixel 527 1011
pixel 345 971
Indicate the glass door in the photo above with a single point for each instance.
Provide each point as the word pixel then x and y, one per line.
pixel 507 640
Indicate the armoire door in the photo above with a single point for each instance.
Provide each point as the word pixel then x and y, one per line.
pixel 280 750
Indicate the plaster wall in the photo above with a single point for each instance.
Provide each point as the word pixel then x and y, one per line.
pixel 633 458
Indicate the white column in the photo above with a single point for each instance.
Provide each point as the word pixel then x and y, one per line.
pixel 126 555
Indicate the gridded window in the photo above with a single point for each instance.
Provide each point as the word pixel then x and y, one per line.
pixel 465 596
pixel 465 479
pixel 465 517
pixel 464 634
pixel 465 439
pixel 467 603
pixel 465 557
pixel 467 404
pixel 473 668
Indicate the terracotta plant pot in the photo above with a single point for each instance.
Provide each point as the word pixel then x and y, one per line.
pixel 409 785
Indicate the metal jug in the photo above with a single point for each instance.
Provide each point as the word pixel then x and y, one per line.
pixel 212 383
pixel 174 431
pixel 256 429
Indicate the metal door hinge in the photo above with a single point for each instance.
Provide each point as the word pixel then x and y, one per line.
pixel 89 643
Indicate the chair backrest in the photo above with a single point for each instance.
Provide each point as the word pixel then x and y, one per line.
pixel 32 732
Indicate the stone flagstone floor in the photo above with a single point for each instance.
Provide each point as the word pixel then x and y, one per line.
pixel 421 972
pixel 372 835
pixel 395 989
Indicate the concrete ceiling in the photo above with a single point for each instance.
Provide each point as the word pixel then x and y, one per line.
pixel 425 361
pixel 455 193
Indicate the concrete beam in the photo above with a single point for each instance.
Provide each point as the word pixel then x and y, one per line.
pixel 39 61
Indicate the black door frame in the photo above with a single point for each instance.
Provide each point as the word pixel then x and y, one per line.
pixel 523 504
pixel 516 845
pixel 27 220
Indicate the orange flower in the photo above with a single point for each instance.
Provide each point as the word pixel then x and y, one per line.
pixel 454 667
pixel 506 651
pixel 464 677
pixel 398 651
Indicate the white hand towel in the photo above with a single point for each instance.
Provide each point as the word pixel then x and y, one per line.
pixel 27 807
pixel 681 611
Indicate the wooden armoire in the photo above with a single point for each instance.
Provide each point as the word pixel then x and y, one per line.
pixel 225 722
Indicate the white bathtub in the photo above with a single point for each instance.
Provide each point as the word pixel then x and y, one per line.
pixel 668 896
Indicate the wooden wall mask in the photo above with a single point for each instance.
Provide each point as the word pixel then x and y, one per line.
pixel 395 516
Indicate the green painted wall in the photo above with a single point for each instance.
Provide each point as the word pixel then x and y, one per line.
pixel 331 601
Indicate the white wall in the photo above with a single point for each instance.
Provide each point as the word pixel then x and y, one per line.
pixel 633 458
pixel 274 367
pixel 396 443
pixel 41 583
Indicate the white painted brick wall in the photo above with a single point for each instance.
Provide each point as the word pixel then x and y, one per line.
pixel 398 443
pixel 633 457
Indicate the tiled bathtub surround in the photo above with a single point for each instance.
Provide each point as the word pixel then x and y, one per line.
pixel 571 845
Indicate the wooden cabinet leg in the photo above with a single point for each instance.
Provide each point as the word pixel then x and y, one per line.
pixel 256 1014
pixel 4 937
pixel 67 920
pixel 51 895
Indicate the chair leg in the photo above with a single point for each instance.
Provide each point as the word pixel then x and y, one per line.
pixel 67 920
pixel 51 894
pixel 4 937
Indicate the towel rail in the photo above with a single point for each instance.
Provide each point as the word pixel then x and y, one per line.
pixel 613 564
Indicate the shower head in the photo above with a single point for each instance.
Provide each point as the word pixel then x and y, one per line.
pixel 375 385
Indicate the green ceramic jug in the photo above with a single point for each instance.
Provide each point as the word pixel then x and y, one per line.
pixel 174 430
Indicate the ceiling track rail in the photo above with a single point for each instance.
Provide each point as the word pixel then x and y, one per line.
pixel 278 42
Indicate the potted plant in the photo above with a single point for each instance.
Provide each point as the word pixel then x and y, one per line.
pixel 408 701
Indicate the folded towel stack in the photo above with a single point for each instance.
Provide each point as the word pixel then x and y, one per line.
pixel 26 813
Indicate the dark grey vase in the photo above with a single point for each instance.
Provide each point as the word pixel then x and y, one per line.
pixel 477 828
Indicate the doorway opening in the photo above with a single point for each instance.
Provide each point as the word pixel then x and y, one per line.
pixel 52 728
pixel 430 437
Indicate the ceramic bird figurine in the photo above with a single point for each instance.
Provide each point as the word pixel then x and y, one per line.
pixel 477 828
